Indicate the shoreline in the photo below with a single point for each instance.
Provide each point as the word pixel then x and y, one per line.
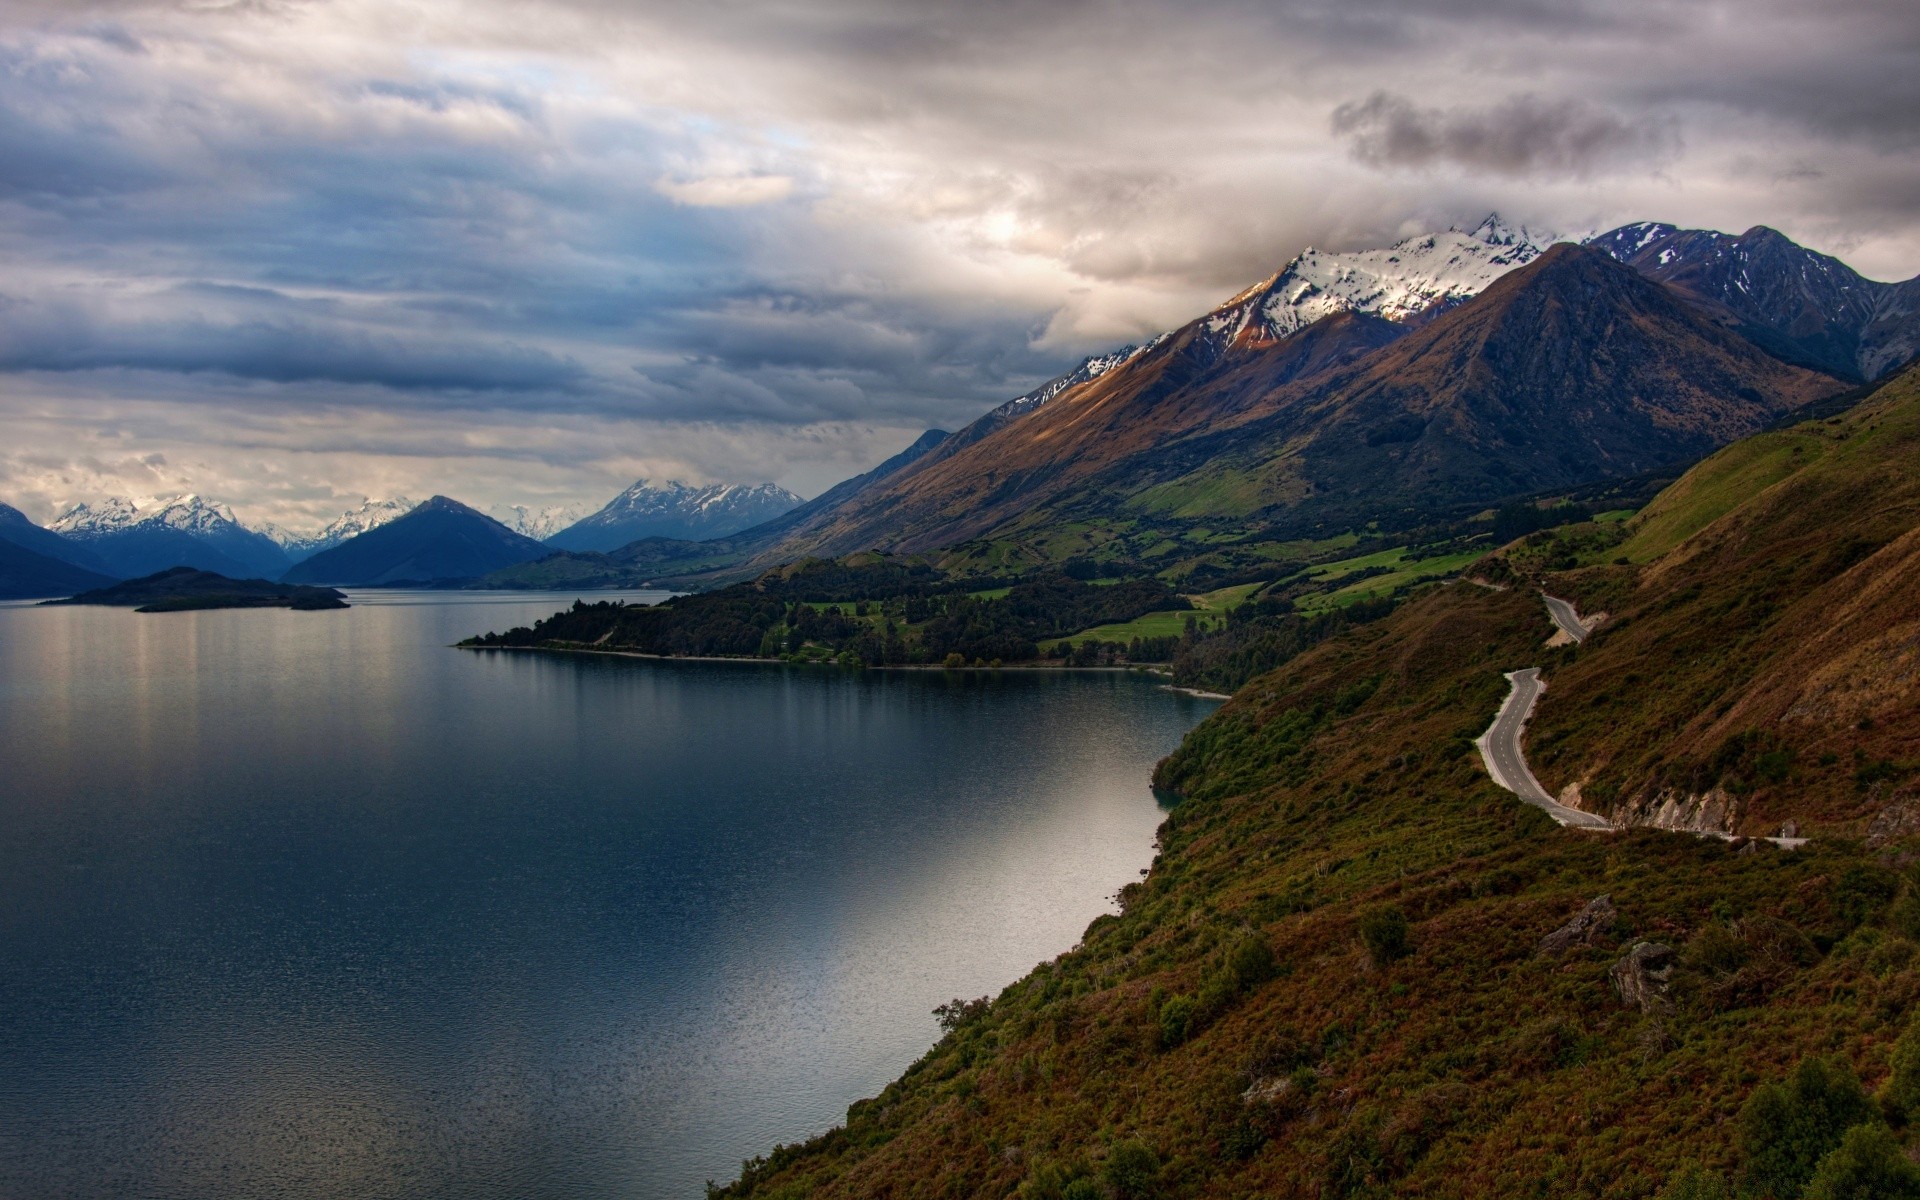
pixel 779 662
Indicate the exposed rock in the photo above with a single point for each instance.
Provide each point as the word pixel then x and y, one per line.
pixel 1899 819
pixel 1643 975
pixel 1267 1091
pixel 1714 812
pixel 1595 919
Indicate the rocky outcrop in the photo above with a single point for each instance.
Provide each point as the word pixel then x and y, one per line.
pixel 1589 923
pixel 1643 976
pixel 1899 819
pixel 1716 811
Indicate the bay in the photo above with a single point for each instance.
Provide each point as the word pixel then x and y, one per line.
pixel 310 904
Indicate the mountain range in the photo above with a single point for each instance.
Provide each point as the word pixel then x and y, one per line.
pixel 145 535
pixel 1565 367
pixel 349 524
pixel 676 511
pixel 441 539
pixel 1389 389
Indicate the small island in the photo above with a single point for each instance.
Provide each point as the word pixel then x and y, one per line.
pixel 183 589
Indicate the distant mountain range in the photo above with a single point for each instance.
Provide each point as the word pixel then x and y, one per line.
pixel 440 540
pixel 1382 388
pixel 676 511
pixel 1798 303
pixel 141 536
pixel 349 524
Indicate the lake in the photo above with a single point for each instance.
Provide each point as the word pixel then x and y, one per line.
pixel 310 904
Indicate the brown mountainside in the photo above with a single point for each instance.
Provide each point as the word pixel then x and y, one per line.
pixel 1572 369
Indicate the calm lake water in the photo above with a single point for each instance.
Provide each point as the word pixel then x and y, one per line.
pixel 308 904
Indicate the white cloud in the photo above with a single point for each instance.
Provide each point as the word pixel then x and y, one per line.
pixel 726 191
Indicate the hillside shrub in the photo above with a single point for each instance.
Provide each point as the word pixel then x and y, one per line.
pixel 1901 1097
pixel 1384 933
pixel 1695 1182
pixel 1132 1171
pixel 1868 1165
pixel 1786 1128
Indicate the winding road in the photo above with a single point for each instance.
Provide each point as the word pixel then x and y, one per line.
pixel 1500 750
pixel 1505 760
pixel 1566 617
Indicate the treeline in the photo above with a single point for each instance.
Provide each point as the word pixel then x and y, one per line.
pixel 1260 636
pixel 781 615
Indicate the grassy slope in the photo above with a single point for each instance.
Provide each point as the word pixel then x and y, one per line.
pixel 1781 618
pixel 1473 1067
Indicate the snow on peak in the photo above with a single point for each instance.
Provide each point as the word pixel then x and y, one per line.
pixel 1092 367
pixel 537 523
pixel 1397 282
pixel 677 497
pixel 189 513
pixel 349 524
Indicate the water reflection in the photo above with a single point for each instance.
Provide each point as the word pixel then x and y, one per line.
pixel 309 904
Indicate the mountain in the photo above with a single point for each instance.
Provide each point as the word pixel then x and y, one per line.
pixel 1569 369
pixel 1358 968
pixel 538 523
pixel 140 536
pixel 676 511
pixel 1404 282
pixel 17 528
pixel 1800 304
pixel 679 562
pixel 440 540
pixel 349 524
pixel 26 575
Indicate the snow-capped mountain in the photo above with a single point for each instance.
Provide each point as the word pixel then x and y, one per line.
pixel 141 535
pixel 1401 282
pixel 676 511
pixel 352 523
pixel 1800 304
pixel 537 523
pixel 189 513
pixel 1092 367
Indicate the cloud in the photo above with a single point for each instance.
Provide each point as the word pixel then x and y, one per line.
pixel 310 249
pixel 736 191
pixel 1523 135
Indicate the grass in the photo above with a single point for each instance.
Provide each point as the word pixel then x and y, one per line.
pixel 1156 624
pixel 1379 585
pixel 1171 623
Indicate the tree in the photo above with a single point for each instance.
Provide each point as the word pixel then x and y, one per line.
pixel 1869 1165
pixel 1786 1128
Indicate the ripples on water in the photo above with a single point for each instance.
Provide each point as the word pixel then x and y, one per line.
pixel 308 904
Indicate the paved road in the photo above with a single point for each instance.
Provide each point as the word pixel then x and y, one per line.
pixel 1500 750
pixel 1566 617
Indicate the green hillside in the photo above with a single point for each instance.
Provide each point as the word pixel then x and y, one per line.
pixel 1338 978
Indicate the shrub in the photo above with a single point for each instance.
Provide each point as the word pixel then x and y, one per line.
pixel 1786 1128
pixel 1383 931
pixel 1868 1166
pixel 1251 961
pixel 1695 1182
pixel 1132 1171
pixel 953 661
pixel 1176 1020
pixel 1902 1094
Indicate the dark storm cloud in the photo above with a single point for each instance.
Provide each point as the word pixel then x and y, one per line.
pixel 1523 135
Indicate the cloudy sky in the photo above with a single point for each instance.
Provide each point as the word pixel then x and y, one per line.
pixel 290 253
